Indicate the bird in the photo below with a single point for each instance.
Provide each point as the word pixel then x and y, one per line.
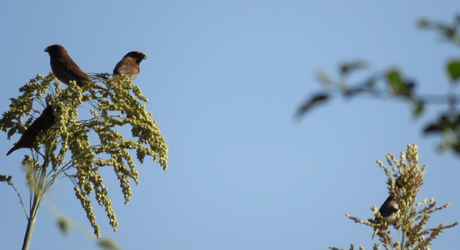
pixel 42 123
pixel 389 211
pixel 129 65
pixel 64 68
pixel 390 208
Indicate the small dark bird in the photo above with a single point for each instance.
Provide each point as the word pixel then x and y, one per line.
pixel 42 123
pixel 390 209
pixel 129 65
pixel 64 68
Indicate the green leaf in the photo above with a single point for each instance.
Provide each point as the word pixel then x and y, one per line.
pixel 315 100
pixel 108 244
pixel 419 107
pixel 453 68
pixel 394 76
pixel 397 84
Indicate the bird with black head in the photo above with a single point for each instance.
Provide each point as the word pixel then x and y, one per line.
pixel 129 65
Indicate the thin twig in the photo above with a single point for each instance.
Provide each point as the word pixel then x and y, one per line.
pixel 10 182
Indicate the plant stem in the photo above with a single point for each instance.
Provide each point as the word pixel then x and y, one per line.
pixel 37 189
pixel 31 222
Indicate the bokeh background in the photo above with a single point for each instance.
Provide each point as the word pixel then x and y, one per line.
pixel 224 79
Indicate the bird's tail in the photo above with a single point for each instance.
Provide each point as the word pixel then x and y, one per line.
pixel 11 150
pixel 99 87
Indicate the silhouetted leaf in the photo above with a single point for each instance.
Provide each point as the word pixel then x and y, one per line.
pixel 432 128
pixel 439 126
pixel 315 100
pixel 453 68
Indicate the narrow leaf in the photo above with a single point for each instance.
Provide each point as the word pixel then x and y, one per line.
pixel 315 100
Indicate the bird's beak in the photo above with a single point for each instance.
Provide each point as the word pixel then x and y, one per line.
pixel 46 50
pixel 145 58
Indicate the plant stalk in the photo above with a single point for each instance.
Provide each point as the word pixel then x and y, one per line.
pixel 38 189
pixel 31 223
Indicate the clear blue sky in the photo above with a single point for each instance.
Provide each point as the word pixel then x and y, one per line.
pixel 224 79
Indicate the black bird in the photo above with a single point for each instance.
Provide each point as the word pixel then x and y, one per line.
pixel 42 123
pixel 129 65
pixel 64 68
pixel 390 208
pixel 389 211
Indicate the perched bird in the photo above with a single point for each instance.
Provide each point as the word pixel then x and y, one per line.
pixel 64 68
pixel 42 123
pixel 389 211
pixel 390 208
pixel 129 65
